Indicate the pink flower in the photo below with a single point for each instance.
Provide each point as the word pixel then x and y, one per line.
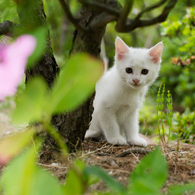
pixel 13 60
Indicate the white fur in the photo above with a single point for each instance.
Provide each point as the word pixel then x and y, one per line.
pixel 118 99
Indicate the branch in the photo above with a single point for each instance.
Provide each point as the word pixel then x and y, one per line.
pixel 6 27
pixel 132 150
pixel 70 17
pixel 136 23
pixel 124 14
pixel 147 9
pixel 162 17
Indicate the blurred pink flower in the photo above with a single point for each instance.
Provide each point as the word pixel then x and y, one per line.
pixel 13 60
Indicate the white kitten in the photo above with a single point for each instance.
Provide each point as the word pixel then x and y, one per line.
pixel 120 92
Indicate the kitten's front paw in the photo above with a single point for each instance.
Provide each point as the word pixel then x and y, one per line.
pixel 139 141
pixel 117 140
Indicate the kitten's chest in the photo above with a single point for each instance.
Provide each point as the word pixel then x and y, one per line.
pixel 128 99
pixel 127 105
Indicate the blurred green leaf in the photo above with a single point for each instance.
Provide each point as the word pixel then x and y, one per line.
pixel 110 181
pixel 40 34
pixel 11 146
pixel 76 82
pixel 8 11
pixel 75 177
pixel 17 178
pixel 31 103
pixel 45 183
pixel 178 190
pixel 149 176
pixel 23 177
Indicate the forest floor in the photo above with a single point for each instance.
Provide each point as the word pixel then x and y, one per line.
pixel 118 161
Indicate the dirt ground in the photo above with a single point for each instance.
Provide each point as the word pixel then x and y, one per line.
pixel 118 161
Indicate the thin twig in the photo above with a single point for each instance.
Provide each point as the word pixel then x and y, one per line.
pixel 52 166
pixel 152 7
pixel 162 17
pixel 92 152
pixel 132 150
pixel 136 158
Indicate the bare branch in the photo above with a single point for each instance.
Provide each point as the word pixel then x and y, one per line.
pixel 147 9
pixel 132 150
pixel 136 23
pixel 6 27
pixel 162 17
pixel 124 14
pixel 70 17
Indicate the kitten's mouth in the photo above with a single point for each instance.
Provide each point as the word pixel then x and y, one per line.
pixel 134 86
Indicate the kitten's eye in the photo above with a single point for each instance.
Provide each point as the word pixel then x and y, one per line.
pixel 144 71
pixel 129 70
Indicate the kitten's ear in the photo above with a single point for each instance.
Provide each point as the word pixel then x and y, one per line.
pixel 156 51
pixel 121 48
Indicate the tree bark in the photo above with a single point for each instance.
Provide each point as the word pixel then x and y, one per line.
pixel 32 16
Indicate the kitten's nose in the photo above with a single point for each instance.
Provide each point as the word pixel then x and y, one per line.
pixel 136 81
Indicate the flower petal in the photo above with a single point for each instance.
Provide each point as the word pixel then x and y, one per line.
pixel 13 60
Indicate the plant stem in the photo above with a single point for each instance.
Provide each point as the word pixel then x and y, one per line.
pixel 58 138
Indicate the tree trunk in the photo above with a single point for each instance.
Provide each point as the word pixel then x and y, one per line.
pixel 31 15
pixel 72 126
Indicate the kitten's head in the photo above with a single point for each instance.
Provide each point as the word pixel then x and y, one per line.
pixel 137 66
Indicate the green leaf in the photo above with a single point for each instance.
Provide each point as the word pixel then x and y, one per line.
pixel 17 178
pixel 76 82
pixel 110 181
pixel 23 177
pixel 178 190
pixel 31 103
pixel 40 34
pixel 11 146
pixel 75 177
pixel 149 176
pixel 45 183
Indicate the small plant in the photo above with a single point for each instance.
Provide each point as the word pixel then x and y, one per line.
pixel 160 114
pixel 163 117
pixel 169 113
pixel 181 126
